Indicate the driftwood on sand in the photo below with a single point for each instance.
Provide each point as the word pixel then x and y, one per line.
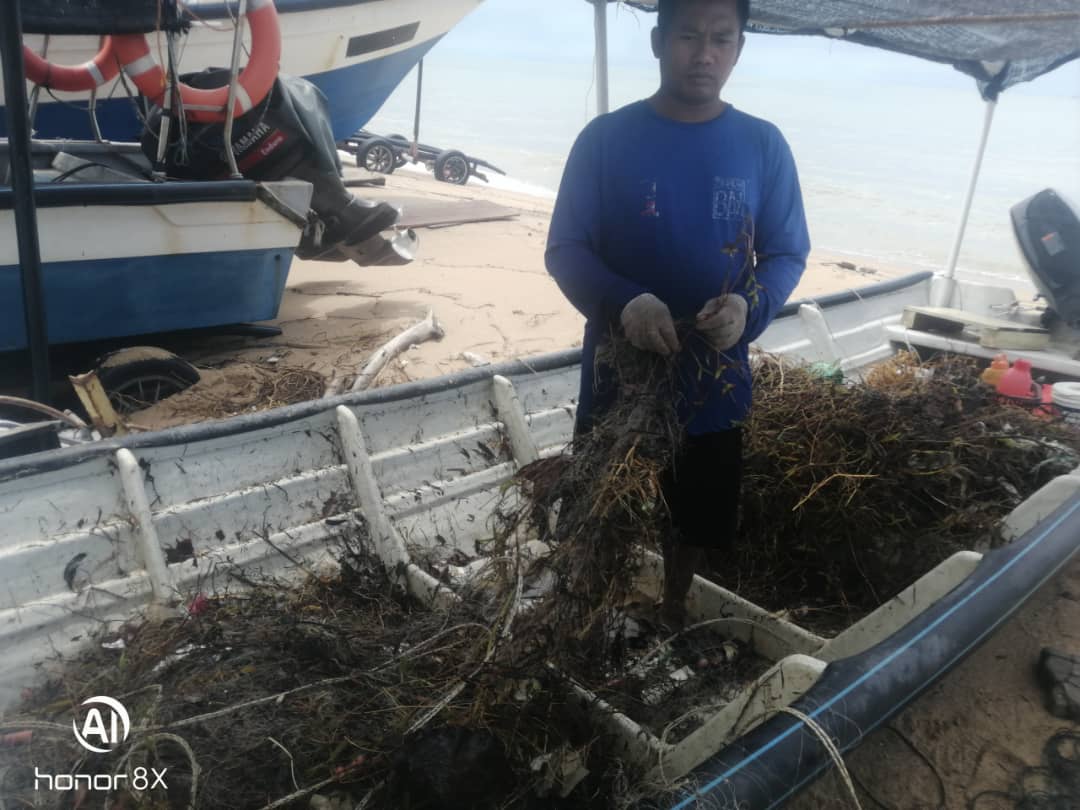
pixel 425 330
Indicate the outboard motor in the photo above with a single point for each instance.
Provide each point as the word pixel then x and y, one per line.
pixel 288 135
pixel 1048 232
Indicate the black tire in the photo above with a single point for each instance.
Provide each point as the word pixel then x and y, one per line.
pixel 452 166
pixel 377 155
pixel 404 145
pixel 141 376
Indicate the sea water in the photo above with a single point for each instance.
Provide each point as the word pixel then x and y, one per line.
pixel 885 143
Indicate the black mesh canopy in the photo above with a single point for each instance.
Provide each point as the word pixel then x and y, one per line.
pixel 998 42
pixel 99 16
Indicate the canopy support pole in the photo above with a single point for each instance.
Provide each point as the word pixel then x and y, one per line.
pixel 415 150
pixel 943 294
pixel 600 25
pixel 22 185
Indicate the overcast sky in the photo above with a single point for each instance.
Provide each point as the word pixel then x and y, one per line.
pixel 561 31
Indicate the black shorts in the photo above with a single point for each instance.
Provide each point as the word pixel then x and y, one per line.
pixel 703 487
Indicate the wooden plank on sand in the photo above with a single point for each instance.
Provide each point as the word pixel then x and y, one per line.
pixel 994 333
pixel 439 214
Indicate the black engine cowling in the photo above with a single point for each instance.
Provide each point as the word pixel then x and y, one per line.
pixel 286 135
pixel 1048 232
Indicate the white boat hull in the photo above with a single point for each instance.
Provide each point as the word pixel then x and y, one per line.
pixel 155 266
pixel 356 52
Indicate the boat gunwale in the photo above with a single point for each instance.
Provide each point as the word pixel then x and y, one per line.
pixel 51 460
pixel 62 195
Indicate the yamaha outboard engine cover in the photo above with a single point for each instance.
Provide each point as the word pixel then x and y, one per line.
pixel 287 132
pixel 287 135
pixel 1048 231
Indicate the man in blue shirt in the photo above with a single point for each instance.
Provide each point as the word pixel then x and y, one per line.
pixel 680 208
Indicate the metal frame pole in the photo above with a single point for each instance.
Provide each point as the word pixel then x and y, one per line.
pixel 234 71
pixel 22 184
pixel 600 25
pixel 166 112
pixel 95 127
pixel 416 117
pixel 944 291
pixel 35 94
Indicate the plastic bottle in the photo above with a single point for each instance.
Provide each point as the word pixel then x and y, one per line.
pixel 998 366
pixel 1016 383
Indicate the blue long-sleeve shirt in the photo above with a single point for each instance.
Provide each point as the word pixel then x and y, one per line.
pixel 649 204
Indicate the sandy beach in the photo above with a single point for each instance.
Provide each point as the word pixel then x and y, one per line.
pixel 485 282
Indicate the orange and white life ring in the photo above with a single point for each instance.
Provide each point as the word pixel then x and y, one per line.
pixel 99 70
pixel 254 82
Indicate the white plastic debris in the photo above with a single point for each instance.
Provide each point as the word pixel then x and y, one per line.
pixel 474 359
pixel 682 674
pixel 561 771
pixel 180 654
pixel 535 550
pixel 659 692
pixel 465 574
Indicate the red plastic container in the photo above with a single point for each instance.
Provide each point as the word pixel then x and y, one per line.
pixel 1017 385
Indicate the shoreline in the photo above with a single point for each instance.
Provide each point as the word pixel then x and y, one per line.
pixel 891 267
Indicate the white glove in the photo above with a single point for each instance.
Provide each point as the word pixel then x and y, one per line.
pixel 723 320
pixel 648 325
